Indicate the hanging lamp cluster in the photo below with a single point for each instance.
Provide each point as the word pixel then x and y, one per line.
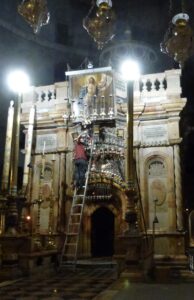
pixel 178 41
pixel 35 12
pixel 101 25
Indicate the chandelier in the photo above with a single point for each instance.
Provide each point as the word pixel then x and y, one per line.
pixel 35 12
pixel 101 26
pixel 178 41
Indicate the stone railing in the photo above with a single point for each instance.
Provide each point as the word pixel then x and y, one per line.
pixel 158 87
pixel 46 98
pixel 45 93
pixel 151 88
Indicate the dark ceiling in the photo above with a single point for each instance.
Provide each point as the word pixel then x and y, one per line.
pixel 65 40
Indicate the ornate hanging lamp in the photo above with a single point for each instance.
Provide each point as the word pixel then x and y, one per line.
pixel 35 12
pixel 101 26
pixel 179 40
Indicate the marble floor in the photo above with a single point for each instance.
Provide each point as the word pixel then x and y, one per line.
pixel 67 284
pixel 91 283
pixel 122 289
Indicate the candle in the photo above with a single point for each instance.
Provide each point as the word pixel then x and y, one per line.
pixel 53 158
pixel 43 148
pixel 43 165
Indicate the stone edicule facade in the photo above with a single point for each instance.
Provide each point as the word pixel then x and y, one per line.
pixel 157 107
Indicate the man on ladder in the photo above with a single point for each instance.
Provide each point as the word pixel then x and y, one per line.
pixel 80 162
pixel 81 176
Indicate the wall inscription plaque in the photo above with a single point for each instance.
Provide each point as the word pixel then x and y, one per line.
pixel 154 133
pixel 46 142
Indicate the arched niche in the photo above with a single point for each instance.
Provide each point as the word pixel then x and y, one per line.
pixel 156 193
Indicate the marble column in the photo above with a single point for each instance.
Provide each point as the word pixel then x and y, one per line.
pixel 7 153
pixel 15 147
pixel 62 191
pixel 178 188
pixel 28 149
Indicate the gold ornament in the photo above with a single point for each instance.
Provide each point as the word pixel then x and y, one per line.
pixel 178 41
pixel 35 12
pixel 101 26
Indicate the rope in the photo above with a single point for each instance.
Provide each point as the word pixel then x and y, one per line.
pixel 183 6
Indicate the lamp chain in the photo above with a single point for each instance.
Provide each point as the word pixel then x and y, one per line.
pixel 170 7
pixel 93 3
pixel 183 6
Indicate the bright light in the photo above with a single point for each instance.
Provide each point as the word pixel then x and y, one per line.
pixel 130 70
pixel 18 81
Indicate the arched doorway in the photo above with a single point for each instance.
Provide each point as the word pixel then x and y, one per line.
pixel 102 232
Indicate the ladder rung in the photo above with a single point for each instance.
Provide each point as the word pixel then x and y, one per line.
pixel 79 204
pixel 75 214
pixel 74 224
pixel 71 244
pixel 71 233
pixel 68 262
pixel 68 258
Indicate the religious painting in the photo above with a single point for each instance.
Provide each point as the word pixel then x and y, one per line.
pixel 91 93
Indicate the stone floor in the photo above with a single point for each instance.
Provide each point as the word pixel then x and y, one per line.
pixel 68 284
pixel 122 289
pixel 96 283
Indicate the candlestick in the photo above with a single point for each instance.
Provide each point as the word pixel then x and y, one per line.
pixel 28 148
pixel 7 153
pixel 43 150
pixel 43 165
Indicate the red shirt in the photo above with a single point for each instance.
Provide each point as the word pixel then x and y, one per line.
pixel 79 151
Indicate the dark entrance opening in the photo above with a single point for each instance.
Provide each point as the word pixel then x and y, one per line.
pixel 102 232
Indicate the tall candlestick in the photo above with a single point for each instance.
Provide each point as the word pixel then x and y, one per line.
pixel 7 155
pixel 43 165
pixel 43 150
pixel 28 147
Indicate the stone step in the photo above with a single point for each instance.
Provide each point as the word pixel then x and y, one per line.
pixel 84 263
pixel 182 275
pixel 133 275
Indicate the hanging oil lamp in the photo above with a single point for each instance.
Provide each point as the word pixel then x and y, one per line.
pixel 101 26
pixel 35 12
pixel 178 41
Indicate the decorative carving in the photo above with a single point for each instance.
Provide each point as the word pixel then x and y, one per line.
pixel 156 169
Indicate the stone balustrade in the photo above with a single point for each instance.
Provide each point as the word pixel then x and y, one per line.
pixel 159 87
pixel 45 94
